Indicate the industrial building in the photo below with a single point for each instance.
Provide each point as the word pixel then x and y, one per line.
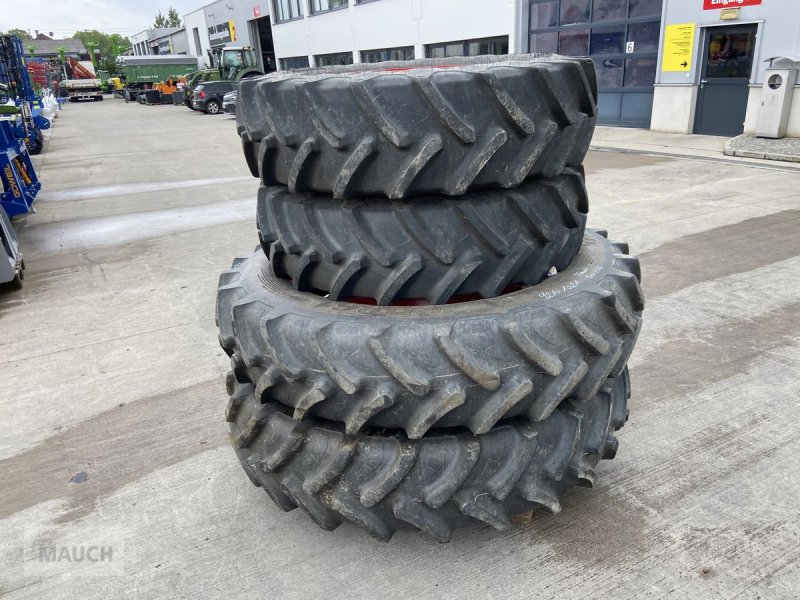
pixel 687 66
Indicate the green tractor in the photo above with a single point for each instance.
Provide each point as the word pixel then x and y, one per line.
pixel 231 63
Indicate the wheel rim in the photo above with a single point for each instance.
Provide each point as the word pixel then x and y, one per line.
pixel 213 108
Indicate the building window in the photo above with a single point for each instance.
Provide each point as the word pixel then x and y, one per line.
pixel 374 56
pixel 320 6
pixel 645 8
pixel 574 11
pixel 198 49
pixel 286 10
pixel 623 45
pixel 497 45
pixel 294 62
pixel 331 60
pixel 609 10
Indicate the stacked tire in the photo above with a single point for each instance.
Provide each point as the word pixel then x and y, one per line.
pixel 427 336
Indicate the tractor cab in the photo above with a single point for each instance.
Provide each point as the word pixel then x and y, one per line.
pixel 235 63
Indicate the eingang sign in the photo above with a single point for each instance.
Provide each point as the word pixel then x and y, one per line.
pixel 717 4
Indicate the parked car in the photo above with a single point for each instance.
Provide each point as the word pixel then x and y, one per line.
pixel 208 95
pixel 229 102
pixel 196 79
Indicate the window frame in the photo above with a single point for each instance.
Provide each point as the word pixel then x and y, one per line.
pixel 276 13
pixel 281 62
pixel 591 25
pixel 314 13
pixel 342 53
pixel 465 45
pixel 362 53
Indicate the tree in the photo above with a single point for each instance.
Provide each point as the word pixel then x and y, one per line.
pixel 173 18
pixel 20 33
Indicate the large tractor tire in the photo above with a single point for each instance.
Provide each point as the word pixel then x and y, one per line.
pixel 384 483
pixel 417 127
pixel 432 248
pixel 413 368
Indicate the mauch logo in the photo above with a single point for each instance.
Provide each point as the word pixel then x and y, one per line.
pixel 12 181
pixel 76 554
pixel 75 551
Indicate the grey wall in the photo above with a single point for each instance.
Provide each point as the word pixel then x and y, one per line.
pixel 239 12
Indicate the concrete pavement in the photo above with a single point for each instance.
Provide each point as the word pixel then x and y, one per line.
pixel 110 368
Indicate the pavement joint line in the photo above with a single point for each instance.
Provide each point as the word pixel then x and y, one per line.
pixel 104 341
pixel 712 159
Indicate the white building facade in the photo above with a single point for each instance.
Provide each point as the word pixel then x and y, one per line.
pixel 663 64
pixel 326 32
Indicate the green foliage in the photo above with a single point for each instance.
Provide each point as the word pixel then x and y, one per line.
pixel 172 19
pixel 20 33
pixel 110 46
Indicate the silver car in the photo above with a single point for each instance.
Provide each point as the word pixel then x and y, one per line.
pixel 229 102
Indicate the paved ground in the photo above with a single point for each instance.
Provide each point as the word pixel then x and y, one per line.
pixel 750 146
pixel 110 367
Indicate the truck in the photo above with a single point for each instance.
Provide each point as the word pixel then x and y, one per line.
pixel 230 63
pixel 140 73
pixel 82 89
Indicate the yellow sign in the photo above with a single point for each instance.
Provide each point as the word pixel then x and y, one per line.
pixel 232 29
pixel 678 48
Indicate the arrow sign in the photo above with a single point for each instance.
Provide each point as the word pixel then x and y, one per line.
pixel 678 47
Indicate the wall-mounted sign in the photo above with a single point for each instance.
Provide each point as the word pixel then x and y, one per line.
pixel 717 4
pixel 629 47
pixel 222 33
pixel 678 48
pixel 729 14
pixel 257 10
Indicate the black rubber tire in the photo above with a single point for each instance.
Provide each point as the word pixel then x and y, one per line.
pixel 412 368
pixel 212 107
pixel 432 248
pixel 16 283
pixel 480 122
pixel 385 482
pixel 35 142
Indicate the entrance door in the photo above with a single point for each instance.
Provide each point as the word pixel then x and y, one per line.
pixel 724 87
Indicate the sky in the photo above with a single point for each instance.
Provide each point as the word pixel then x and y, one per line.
pixel 65 17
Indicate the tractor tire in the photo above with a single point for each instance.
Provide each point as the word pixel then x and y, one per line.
pixel 385 482
pixel 418 127
pixel 431 248
pixel 454 365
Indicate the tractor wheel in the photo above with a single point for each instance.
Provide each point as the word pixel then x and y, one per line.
pixel 405 128
pixel 384 482
pixel 432 247
pixel 413 368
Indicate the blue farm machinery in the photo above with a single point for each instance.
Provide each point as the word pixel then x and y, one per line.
pixel 18 101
